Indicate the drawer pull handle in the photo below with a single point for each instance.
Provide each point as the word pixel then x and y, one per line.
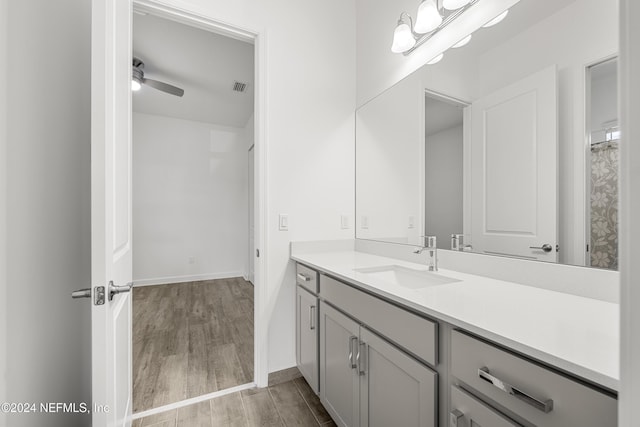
pixel 352 363
pixel 312 317
pixel 543 405
pixel 361 358
pixel 303 278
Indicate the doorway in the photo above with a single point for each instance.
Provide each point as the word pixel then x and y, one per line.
pixel 602 159
pixel 193 305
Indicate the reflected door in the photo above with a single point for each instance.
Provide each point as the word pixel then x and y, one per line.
pixel 514 176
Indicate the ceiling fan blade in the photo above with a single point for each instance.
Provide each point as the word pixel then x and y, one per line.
pixel 164 87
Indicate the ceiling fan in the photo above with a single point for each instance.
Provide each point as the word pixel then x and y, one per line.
pixel 138 79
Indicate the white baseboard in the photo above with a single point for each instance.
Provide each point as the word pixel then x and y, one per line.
pixel 189 278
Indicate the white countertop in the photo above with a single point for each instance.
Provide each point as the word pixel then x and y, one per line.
pixel 576 334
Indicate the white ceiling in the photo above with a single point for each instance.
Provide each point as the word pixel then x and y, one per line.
pixel 204 64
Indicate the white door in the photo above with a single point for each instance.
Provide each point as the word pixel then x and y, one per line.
pixel 252 239
pixel 111 211
pixel 514 169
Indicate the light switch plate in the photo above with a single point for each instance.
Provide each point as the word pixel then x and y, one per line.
pixel 283 222
pixel 344 222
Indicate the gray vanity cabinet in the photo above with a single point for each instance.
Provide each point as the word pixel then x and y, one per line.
pixel 307 336
pixel 467 411
pixel 395 390
pixel 339 377
pixel 365 381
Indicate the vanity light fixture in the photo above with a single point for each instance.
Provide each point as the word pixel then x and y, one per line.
pixel 436 59
pixel 433 16
pixel 454 4
pixel 429 17
pixel 462 42
pixel 496 20
pixel 403 38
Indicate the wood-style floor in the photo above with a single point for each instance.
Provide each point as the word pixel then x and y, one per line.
pixel 190 339
pixel 291 403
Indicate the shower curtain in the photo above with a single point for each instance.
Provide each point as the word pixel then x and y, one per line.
pixel 604 205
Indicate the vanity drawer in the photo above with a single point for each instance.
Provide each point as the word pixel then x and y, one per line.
pixel 467 411
pixel 307 278
pixel 414 333
pixel 540 396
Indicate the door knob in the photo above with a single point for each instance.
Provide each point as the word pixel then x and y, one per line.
pixel 546 247
pixel 114 290
pixel 81 293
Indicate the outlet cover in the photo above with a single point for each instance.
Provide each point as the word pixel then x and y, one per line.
pixel 364 222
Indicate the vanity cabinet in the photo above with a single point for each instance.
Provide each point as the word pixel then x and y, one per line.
pixel 307 326
pixel 528 392
pixel 366 381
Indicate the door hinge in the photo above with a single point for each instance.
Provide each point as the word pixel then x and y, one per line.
pixel 99 295
pixel 257 253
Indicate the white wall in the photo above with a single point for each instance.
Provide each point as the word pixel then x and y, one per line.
pixel 48 206
pixel 189 200
pixel 604 100
pixel 3 205
pixel 390 163
pixel 629 213
pixel 310 89
pixel 444 184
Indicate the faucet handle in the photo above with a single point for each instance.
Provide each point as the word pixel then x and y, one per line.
pixel 429 241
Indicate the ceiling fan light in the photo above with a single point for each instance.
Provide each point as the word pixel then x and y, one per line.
pixel 436 59
pixel 497 19
pixel 462 42
pixel 454 4
pixel 403 39
pixel 135 85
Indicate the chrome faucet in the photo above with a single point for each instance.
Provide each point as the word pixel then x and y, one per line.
pixel 430 246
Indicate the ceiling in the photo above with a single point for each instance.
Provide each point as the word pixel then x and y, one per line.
pixel 206 65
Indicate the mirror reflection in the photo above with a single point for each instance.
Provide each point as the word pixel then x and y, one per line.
pixel 506 147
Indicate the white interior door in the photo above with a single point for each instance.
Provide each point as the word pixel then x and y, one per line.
pixel 514 169
pixel 111 210
pixel 252 239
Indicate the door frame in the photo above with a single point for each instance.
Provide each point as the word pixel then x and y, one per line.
pixel 258 39
pixel 585 239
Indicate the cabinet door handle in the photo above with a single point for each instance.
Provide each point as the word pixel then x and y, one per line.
pixel 312 323
pixel 303 277
pixel 352 363
pixel 542 405
pixel 361 358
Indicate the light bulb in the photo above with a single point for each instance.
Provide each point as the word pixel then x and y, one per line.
pixel 403 39
pixel 462 42
pixel 436 59
pixel 429 17
pixel 454 4
pixel 497 19
pixel 135 85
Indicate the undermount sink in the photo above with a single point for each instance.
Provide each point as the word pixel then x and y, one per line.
pixel 406 277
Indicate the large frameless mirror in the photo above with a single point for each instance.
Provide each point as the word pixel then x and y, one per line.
pixel 508 146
